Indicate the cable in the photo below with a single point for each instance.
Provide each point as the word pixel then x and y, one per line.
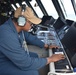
pixel 25 44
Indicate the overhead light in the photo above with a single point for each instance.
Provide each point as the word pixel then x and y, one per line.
pixel 13 6
pixel 24 3
pixel 17 4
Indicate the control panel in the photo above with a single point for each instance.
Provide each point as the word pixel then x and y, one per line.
pixel 50 37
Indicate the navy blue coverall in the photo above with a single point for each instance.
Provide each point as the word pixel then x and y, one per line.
pixel 14 60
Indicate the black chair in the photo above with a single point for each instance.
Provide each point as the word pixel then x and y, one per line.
pixel 69 41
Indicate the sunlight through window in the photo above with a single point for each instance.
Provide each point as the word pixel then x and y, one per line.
pixel 68 9
pixel 36 8
pixel 50 8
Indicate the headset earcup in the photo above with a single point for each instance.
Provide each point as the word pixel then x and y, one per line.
pixel 21 21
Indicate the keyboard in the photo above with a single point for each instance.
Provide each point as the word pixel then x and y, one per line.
pixel 63 64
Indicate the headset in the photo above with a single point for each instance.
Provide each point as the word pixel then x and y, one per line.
pixel 21 19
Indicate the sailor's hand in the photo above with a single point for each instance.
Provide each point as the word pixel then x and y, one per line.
pixel 55 58
pixel 50 46
pixel 53 46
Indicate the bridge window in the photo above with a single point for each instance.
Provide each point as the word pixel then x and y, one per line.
pixel 67 9
pixel 50 8
pixel 36 8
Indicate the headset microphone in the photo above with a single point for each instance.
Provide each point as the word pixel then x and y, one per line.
pixel 21 18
